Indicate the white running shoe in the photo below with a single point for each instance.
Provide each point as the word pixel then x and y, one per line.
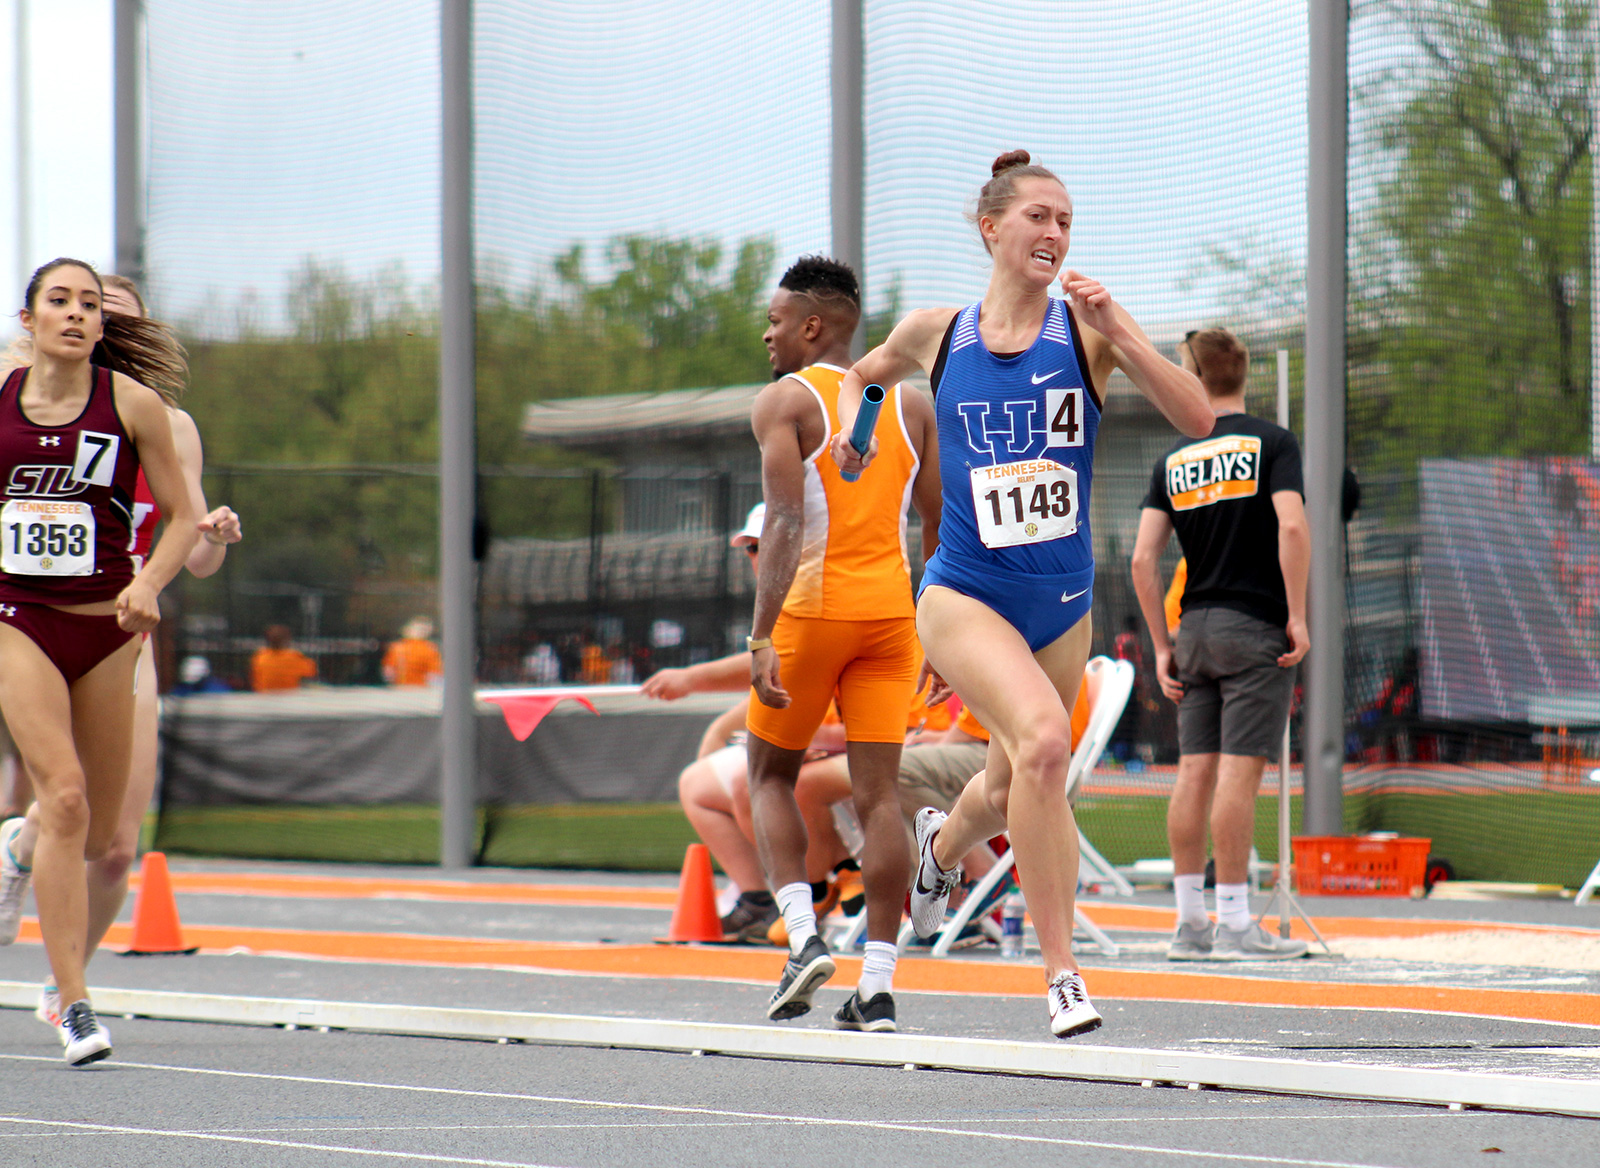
pixel 932 886
pixel 14 879
pixel 48 1011
pixel 1071 1011
pixel 87 1040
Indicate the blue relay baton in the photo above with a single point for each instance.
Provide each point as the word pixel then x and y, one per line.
pixel 866 421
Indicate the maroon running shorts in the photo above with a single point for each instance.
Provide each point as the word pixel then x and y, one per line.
pixel 75 642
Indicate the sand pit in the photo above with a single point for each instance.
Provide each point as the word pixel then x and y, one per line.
pixel 1487 947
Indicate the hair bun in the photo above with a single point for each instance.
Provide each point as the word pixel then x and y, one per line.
pixel 1009 159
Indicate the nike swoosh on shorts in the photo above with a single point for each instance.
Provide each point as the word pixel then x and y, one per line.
pixel 1041 378
pixel 1074 596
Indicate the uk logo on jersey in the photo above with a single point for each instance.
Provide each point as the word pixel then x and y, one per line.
pixel 47 482
pixel 1022 427
pixel 1015 424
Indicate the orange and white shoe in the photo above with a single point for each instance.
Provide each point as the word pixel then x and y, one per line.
pixel 48 1011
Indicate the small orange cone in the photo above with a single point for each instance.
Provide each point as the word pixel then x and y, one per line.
pixel 156 931
pixel 695 918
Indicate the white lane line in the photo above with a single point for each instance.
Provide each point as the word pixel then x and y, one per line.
pixel 678 1109
pixel 119 1130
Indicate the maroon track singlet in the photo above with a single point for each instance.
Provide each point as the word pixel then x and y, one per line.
pixel 66 507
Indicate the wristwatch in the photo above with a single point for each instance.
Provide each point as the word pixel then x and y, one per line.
pixel 754 643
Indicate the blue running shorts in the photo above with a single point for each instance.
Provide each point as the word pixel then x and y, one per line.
pixel 1041 608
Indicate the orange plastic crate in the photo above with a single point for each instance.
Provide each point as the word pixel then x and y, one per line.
pixel 1337 865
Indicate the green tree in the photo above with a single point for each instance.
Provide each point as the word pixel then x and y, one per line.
pixel 1471 261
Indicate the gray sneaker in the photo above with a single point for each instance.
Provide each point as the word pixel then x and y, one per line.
pixel 1192 942
pixel 1254 944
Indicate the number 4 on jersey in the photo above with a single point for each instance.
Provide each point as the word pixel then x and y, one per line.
pixel 1064 408
pixel 97 458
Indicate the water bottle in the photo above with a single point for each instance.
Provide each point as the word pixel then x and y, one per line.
pixel 1012 910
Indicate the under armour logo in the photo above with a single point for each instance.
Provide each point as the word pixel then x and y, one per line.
pixel 983 427
pixel 7 610
pixel 50 440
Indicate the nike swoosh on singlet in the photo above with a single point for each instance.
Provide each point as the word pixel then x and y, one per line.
pixel 1041 378
pixel 1074 596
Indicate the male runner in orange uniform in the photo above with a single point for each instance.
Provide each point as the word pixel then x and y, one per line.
pixel 833 611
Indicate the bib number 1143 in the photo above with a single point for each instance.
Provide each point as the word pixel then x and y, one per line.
pixel 1024 502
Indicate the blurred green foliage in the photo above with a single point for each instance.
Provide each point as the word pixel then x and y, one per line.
pixel 1470 269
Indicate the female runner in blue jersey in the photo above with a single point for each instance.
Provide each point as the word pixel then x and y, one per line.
pixel 1003 611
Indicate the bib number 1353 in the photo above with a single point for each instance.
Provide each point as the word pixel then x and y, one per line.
pixel 46 537
pixel 1024 502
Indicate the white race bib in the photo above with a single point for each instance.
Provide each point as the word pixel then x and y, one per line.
pixel 1025 502
pixel 46 537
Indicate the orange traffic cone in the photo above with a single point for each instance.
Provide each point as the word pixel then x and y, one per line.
pixel 695 918
pixel 156 931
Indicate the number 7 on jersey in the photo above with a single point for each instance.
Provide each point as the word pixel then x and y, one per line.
pixel 96 462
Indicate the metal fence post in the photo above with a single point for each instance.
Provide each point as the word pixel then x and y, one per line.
pixel 457 444
pixel 847 179
pixel 128 165
pixel 1323 727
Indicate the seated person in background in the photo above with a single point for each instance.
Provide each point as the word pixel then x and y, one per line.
pixel 709 790
pixel 195 677
pixel 414 659
pixel 707 786
pixel 542 666
pixel 277 664
pixel 933 771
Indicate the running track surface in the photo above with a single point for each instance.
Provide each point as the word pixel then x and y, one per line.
pixel 182 1093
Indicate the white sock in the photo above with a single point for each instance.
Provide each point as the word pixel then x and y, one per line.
pixel 1233 906
pixel 1191 893
pixel 794 902
pixel 727 898
pixel 877 970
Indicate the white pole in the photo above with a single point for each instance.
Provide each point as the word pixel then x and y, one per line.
pixel 1285 844
pixel 22 144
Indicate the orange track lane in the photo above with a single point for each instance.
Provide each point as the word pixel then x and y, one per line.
pixel 1110 916
pixel 363 888
pixel 946 976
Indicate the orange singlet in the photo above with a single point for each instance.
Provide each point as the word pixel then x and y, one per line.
pixel 849 621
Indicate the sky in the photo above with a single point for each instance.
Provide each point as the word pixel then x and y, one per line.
pixel 69 182
pixel 289 132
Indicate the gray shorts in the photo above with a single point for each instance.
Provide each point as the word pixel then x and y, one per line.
pixel 1235 695
pixel 933 776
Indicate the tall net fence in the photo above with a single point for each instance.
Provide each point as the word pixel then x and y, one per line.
pixel 642 178
pixel 1471 662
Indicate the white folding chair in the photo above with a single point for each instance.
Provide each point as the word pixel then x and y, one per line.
pixel 1116 687
pixel 1589 887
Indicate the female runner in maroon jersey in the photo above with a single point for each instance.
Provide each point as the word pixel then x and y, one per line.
pixel 73 436
pixel 108 875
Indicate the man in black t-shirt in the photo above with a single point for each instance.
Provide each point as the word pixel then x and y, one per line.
pixel 1236 502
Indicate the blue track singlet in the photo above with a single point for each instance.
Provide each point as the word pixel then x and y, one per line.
pixel 1016 452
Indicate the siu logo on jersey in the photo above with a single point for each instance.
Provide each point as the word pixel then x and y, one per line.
pixel 45 482
pixel 1214 470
